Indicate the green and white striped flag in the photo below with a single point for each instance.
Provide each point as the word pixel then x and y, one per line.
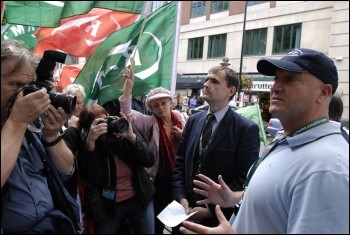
pixel 50 13
pixel 102 74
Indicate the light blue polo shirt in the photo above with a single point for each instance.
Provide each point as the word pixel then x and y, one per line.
pixel 301 187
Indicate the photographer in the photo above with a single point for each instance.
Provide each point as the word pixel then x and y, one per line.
pixel 27 205
pixel 112 161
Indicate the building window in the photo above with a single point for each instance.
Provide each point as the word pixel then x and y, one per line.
pixel 198 9
pixel 219 6
pixel 195 48
pixel 251 3
pixel 217 46
pixel 286 38
pixel 255 42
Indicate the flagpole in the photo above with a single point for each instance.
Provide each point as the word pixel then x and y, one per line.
pixel 3 4
pixel 145 11
pixel 176 47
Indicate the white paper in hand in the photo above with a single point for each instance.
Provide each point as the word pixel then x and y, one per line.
pixel 173 214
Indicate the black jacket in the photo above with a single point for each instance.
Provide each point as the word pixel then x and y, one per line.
pixel 97 166
pixel 234 147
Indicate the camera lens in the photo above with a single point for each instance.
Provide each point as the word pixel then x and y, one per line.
pixel 118 125
pixel 67 102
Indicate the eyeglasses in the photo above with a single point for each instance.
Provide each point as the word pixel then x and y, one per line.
pixel 161 104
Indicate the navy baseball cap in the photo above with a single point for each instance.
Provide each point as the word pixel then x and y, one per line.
pixel 303 60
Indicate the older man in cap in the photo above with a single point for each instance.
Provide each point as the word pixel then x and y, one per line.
pixel 300 184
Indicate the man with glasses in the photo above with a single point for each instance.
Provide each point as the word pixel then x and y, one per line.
pixel 27 205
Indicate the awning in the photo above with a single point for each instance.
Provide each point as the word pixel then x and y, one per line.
pixel 260 82
pixel 262 78
pixel 190 81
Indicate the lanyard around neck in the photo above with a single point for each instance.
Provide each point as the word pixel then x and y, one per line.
pixel 276 142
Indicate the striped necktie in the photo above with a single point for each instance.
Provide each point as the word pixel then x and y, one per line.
pixel 206 133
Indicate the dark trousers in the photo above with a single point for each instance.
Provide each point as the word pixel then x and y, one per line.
pixel 139 218
pixel 162 197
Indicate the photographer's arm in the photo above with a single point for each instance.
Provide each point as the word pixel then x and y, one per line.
pixel 60 154
pixel 24 111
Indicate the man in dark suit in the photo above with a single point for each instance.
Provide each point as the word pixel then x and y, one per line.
pixel 233 146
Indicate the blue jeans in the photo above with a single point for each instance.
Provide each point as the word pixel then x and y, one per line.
pixel 141 219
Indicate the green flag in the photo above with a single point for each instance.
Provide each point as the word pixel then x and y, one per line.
pixel 252 112
pixel 102 73
pixel 20 32
pixel 50 13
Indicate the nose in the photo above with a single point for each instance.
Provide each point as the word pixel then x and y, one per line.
pixel 205 84
pixel 276 86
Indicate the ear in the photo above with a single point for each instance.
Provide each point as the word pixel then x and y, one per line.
pixel 326 91
pixel 233 90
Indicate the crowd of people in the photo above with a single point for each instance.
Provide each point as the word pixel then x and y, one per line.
pixel 119 164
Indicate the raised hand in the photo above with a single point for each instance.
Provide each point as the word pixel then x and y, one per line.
pixel 217 194
pixel 129 81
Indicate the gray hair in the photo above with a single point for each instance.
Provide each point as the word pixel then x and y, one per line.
pixel 73 88
pixel 13 49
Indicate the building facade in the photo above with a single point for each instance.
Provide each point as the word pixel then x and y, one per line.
pixel 211 30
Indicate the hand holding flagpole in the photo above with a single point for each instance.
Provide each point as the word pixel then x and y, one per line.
pixel 129 73
pixel 144 14
pixel 129 81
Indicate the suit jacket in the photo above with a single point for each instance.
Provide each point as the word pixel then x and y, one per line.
pixel 233 149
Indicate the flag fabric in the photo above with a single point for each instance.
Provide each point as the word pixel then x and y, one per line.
pixel 252 112
pixel 81 35
pixel 50 13
pixel 102 74
pixel 20 32
pixel 69 74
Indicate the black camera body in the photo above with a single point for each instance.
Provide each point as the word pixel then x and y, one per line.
pixel 117 125
pixel 44 72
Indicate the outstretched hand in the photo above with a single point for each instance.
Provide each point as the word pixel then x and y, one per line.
pixel 217 194
pixel 224 226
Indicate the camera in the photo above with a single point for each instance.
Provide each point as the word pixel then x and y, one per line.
pixel 118 125
pixel 44 72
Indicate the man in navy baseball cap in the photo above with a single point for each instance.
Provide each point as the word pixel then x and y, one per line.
pixel 288 189
pixel 303 60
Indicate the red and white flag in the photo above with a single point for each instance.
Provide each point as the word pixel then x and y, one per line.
pixel 80 35
pixel 68 75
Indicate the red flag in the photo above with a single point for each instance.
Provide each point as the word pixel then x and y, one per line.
pixel 68 75
pixel 80 35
